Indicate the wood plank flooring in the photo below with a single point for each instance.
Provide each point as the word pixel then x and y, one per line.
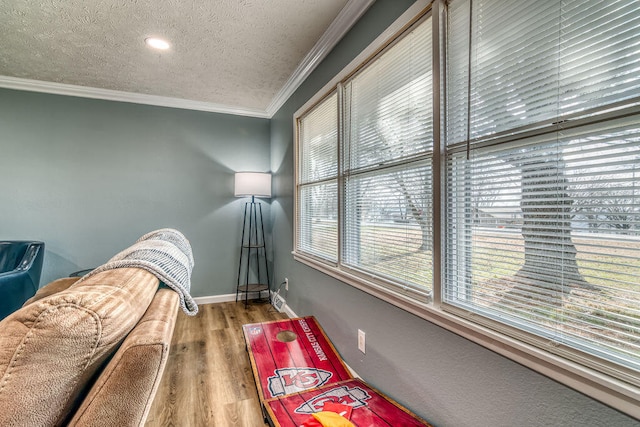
pixel 208 379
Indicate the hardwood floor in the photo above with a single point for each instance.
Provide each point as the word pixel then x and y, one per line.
pixel 208 379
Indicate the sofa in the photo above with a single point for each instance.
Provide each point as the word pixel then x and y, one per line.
pixel 20 269
pixel 88 351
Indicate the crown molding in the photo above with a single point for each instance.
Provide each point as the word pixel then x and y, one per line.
pixel 348 16
pixel 116 95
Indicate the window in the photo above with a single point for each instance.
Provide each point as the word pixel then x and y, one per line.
pixel 388 145
pixel 378 173
pixel 517 225
pixel 317 220
pixel 542 173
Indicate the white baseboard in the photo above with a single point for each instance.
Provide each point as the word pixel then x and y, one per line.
pixel 215 299
pixel 354 373
pixel 287 310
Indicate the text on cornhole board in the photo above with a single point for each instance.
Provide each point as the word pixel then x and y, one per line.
pixel 292 355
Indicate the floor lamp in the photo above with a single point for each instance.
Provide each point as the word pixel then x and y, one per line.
pixel 252 278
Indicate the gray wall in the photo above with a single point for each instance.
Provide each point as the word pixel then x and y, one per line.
pixel 444 378
pixel 88 177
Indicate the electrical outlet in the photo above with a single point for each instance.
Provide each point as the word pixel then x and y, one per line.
pixel 361 340
pixel 286 284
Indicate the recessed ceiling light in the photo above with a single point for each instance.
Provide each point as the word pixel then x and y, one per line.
pixel 157 43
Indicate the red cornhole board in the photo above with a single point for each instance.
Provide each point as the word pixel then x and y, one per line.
pixel 291 355
pixel 370 407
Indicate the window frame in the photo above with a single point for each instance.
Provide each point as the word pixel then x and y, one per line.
pixel 348 171
pixel 596 383
pixel 368 282
pixel 325 180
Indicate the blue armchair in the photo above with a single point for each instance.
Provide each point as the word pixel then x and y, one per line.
pixel 20 269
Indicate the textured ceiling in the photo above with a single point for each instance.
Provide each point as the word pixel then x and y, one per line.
pixel 235 53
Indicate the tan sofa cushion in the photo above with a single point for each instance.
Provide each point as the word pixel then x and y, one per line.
pixel 51 348
pixel 123 394
pixel 52 288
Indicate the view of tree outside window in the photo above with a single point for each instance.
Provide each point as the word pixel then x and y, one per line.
pixel 387 164
pixel 543 147
pixel 537 163
pixel 385 172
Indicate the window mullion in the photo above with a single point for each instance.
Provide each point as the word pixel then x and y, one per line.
pixel 341 144
pixel 438 13
pixel 600 114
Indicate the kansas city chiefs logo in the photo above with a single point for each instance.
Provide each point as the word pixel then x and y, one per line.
pixel 291 380
pixel 354 397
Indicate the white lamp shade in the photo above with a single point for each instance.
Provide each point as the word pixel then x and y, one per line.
pixel 253 184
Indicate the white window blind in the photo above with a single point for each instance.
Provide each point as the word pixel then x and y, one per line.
pixel 317 211
pixel 533 63
pixel 543 212
pixel 387 165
